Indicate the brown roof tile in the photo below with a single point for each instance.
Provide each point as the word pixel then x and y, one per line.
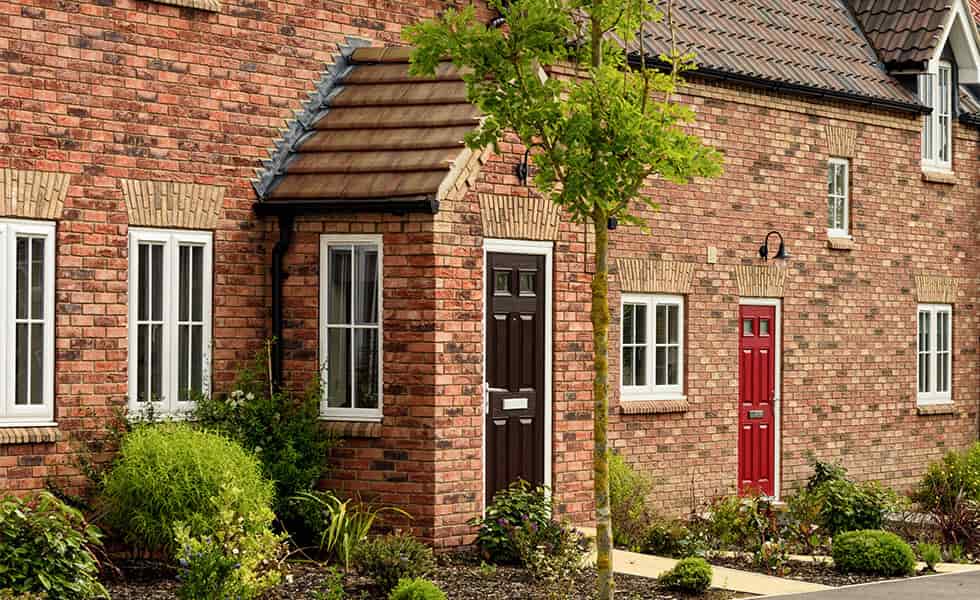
pixel 375 133
pixel 903 32
pixel 811 44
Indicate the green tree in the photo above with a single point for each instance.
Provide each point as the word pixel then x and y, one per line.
pixel 599 121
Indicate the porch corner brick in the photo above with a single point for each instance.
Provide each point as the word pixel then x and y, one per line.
pixel 653 407
pixel 353 429
pixel 28 435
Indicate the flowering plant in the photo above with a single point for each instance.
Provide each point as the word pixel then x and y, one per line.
pixel 518 506
pixel 242 558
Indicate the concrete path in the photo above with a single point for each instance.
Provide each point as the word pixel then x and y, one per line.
pixel 644 565
pixel 954 586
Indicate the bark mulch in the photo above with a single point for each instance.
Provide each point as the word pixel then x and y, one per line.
pixel 457 575
pixel 811 572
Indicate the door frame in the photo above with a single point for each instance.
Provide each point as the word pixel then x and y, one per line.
pixel 778 391
pixel 533 248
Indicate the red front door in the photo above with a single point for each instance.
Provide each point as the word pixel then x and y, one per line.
pixel 756 394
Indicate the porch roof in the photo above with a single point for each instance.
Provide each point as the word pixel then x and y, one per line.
pixel 373 137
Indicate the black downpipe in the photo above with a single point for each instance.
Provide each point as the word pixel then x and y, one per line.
pixel 279 275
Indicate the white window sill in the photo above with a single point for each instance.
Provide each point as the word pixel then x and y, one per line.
pixel 32 424
pixel 936 175
pixel 936 408
pixel 351 418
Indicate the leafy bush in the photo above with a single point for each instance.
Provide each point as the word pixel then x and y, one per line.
pixel 874 552
pixel 47 547
pixel 739 523
pixel 281 428
pixel 846 505
pixel 332 587
pixel 169 473
pixel 691 574
pixel 343 524
pixel 628 492
pixel 241 558
pixel 668 538
pixel 950 492
pixel 804 523
pixel 390 558
pixel 931 554
pixel 552 553
pixel 12 595
pixel 511 508
pixel 416 589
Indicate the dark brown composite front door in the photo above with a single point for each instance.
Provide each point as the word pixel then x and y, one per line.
pixel 515 370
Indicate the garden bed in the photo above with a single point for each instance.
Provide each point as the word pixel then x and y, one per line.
pixel 458 575
pixel 809 571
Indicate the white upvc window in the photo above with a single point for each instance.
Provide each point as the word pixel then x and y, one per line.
pixel 350 326
pixel 838 197
pixel 934 353
pixel 652 356
pixel 27 327
pixel 936 91
pixel 170 285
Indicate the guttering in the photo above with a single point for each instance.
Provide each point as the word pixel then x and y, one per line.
pixel 278 277
pixel 970 119
pixel 796 89
pixel 398 205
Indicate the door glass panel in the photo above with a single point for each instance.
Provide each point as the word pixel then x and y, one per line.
pixel 746 327
pixel 528 283
pixel 764 327
pixel 501 283
pixel 338 300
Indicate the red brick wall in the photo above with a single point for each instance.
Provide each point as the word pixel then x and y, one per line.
pixel 113 89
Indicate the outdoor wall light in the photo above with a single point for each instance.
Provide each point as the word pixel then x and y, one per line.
pixel 780 253
pixel 523 169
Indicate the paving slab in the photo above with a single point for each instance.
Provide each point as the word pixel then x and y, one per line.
pixel 951 586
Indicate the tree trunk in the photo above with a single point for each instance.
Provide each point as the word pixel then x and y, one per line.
pixel 600 392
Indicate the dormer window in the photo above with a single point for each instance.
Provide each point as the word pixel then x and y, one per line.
pixel 936 90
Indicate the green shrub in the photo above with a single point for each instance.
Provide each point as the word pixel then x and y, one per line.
pixel 845 505
pixel 511 508
pixel 169 473
pixel 332 587
pixel 552 554
pixel 628 493
pixel 282 429
pixel 46 547
pixel 739 523
pixel 343 524
pixel 950 492
pixel 668 538
pixel 873 552
pixel 241 558
pixel 931 554
pixel 691 574
pixel 390 558
pixel 804 522
pixel 416 589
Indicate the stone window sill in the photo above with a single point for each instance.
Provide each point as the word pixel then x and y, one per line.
pixel 653 407
pixel 354 429
pixel 936 409
pixel 835 242
pixel 47 434
pixel 933 176
pixel 208 5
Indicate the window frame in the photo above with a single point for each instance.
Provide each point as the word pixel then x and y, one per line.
pixel 652 391
pixel 171 239
pixel 837 232
pixel 349 414
pixel 933 131
pixel 30 415
pixel 931 396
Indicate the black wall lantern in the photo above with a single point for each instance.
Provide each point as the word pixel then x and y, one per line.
pixel 780 253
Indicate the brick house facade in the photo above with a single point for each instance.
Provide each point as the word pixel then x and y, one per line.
pixel 157 116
